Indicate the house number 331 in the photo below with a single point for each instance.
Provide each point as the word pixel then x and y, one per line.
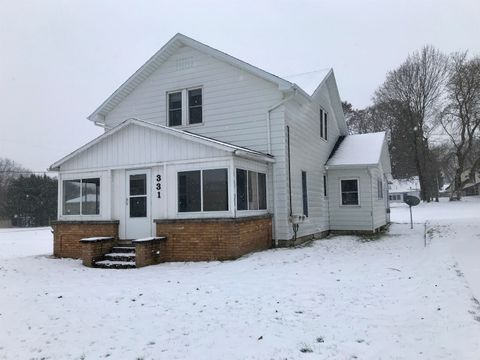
pixel 158 186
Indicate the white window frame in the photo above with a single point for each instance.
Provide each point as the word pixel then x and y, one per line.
pixel 358 191
pixel 185 107
pixel 82 176
pixel 251 211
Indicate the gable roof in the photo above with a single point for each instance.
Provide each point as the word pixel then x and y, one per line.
pixel 237 150
pixel 404 185
pixel 304 83
pixel 358 150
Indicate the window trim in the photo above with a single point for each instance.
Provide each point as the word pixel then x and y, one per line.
pixel 186 213
pixel 185 107
pixel 325 187
pixel 357 179
pixel 80 178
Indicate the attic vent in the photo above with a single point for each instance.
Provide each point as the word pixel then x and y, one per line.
pixel 185 63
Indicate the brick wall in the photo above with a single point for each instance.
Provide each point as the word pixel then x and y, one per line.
pixel 93 251
pixel 150 252
pixel 214 239
pixel 67 235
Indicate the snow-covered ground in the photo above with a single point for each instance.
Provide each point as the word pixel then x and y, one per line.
pixel 341 298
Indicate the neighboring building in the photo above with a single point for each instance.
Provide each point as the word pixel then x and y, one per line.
pixel 214 158
pixel 398 188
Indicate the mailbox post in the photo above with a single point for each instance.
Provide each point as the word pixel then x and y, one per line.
pixel 411 201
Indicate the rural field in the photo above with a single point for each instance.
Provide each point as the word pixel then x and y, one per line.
pixel 403 295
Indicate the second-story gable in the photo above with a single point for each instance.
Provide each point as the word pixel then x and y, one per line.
pixel 196 92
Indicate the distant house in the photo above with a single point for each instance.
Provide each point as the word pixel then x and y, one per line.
pixel 207 157
pixel 398 188
pixel 471 187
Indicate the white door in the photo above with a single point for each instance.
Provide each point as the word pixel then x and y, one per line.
pixel 138 216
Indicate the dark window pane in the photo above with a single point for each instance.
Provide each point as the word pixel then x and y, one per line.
pixel 326 127
pixel 252 191
pixel 262 191
pixel 71 197
pixel 195 115
pixel 215 190
pixel 175 109
pixel 350 198
pixel 321 123
pixel 325 186
pixel 189 195
pixel 242 189
pixel 304 193
pixel 138 206
pixel 195 97
pixel 175 117
pixel 91 196
pixel 195 106
pixel 138 184
pixel 349 185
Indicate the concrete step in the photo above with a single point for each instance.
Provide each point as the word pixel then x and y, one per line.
pixel 124 242
pixel 109 264
pixel 124 249
pixel 120 256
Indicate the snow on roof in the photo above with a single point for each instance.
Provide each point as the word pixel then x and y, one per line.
pixel 404 185
pixel 309 81
pixel 361 149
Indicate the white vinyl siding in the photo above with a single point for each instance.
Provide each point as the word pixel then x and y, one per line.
pixel 309 152
pixel 234 102
pixel 135 145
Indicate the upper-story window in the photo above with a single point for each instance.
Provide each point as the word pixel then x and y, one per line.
pixel 323 124
pixel 195 106
pixel 175 109
pixel 185 107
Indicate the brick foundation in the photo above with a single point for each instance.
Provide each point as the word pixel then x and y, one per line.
pixel 214 239
pixel 67 235
pixel 150 252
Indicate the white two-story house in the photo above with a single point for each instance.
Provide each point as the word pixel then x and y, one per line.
pixel 216 158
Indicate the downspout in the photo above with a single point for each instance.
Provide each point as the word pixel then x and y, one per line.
pixel 270 109
pixel 269 151
pixel 372 199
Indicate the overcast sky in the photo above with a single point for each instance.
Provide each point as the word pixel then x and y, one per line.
pixel 60 59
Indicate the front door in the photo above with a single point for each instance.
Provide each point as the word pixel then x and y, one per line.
pixel 138 222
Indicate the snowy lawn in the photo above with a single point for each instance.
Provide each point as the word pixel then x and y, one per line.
pixel 341 298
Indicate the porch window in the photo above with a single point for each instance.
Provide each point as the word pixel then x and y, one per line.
pixel 81 197
pixel 349 189
pixel 251 190
pixel 203 190
pixel 175 109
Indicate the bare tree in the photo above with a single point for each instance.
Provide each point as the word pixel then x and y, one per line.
pixel 460 118
pixel 416 88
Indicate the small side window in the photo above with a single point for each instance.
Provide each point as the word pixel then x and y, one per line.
pixel 349 189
